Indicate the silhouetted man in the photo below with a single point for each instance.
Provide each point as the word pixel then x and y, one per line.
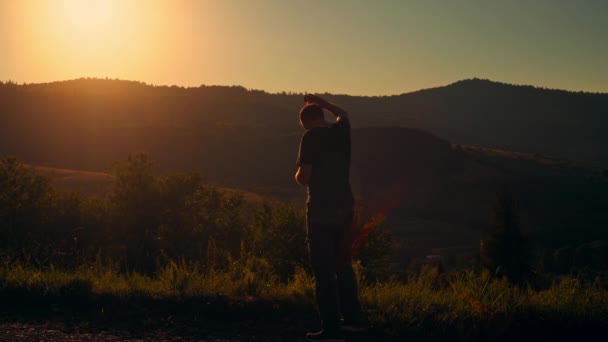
pixel 324 166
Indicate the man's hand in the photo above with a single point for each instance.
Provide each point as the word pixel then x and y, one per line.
pixel 302 176
pixel 314 99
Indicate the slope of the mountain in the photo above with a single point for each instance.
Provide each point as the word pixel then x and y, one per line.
pixel 551 122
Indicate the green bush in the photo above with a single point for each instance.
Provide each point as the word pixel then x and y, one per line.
pixel 375 252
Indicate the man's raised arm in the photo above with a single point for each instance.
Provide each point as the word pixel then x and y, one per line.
pixel 335 110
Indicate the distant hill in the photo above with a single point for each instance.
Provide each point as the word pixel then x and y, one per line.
pixel 554 123
pixel 96 183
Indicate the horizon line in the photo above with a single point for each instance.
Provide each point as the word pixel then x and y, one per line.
pixel 304 92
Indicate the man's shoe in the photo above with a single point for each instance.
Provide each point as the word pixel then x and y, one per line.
pixel 325 335
pixel 351 326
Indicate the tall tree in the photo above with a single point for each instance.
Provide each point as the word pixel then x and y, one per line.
pixel 503 247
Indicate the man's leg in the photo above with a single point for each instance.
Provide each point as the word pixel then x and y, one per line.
pixel 321 244
pixel 347 281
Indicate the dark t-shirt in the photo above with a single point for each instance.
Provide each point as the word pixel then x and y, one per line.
pixel 327 149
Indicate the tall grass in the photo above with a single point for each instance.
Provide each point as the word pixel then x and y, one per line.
pixel 466 304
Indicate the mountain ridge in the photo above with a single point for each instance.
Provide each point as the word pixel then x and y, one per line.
pixel 461 82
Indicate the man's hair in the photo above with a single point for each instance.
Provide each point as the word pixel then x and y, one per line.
pixel 311 112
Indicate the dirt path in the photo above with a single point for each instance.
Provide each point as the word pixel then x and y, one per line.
pixel 14 331
pixel 53 331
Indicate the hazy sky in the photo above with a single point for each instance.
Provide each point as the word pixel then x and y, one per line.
pixel 352 47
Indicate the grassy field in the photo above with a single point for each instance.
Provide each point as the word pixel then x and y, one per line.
pixel 245 302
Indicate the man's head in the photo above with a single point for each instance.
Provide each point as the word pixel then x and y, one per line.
pixel 311 115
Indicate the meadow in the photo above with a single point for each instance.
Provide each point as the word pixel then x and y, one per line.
pixel 171 252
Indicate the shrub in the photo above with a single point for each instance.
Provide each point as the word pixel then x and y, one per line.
pixel 25 199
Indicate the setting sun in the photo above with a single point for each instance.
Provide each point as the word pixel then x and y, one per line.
pixel 104 38
pixel 92 29
pixel 88 17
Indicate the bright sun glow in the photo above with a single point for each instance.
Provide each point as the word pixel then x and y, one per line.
pixel 98 38
pixel 91 25
pixel 88 16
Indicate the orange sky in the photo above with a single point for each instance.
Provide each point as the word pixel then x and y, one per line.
pixel 342 46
